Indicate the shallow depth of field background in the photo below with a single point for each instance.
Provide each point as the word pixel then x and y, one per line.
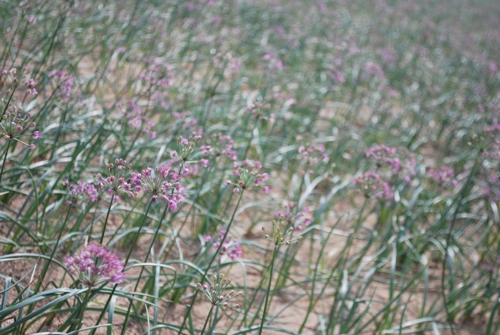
pixel 369 127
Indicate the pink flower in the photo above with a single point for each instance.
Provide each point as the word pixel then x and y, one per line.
pixel 96 265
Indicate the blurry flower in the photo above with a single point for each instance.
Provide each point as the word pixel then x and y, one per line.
pixel 371 185
pixel 230 247
pixel 64 82
pixel 399 161
pixel 444 175
pixel 14 125
pixel 295 217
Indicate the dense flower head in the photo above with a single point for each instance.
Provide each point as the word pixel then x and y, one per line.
pixel 76 191
pixel 160 184
pixel 116 182
pixel 443 175
pixel 96 265
pixel 230 247
pixel 15 124
pixel 370 184
pixel 217 294
pixel 247 174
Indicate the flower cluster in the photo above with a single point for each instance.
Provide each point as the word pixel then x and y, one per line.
pixel 258 110
pixel 14 78
pixel 205 151
pixel 15 124
pixel 187 146
pixel 230 247
pixel 370 184
pixel 311 154
pixel 116 183
pixel 224 144
pixel 216 293
pixel 76 190
pixel 444 176
pixel 274 63
pixel 281 229
pixel 95 266
pixel 160 183
pixel 137 119
pixel 399 161
pixel 493 188
pixel 247 174
pixel 295 217
pixel 64 82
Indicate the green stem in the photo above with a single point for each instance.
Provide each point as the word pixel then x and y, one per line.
pixel 107 216
pixel 190 306
pixel 125 264
pixel 138 232
pixel 206 321
pixel 47 264
pixel 266 306
pixel 78 322
pixel 125 324
pixel 4 160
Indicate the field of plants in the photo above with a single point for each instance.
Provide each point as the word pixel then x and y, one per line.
pixel 245 167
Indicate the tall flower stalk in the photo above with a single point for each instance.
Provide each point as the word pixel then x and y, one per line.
pixel 277 237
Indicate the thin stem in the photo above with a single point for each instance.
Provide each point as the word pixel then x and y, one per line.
pixel 138 232
pixel 448 240
pixel 125 264
pixel 206 320
pixel 79 319
pixel 49 261
pixel 106 220
pixel 190 306
pixel 266 306
pixel 142 268
pixel 4 159
pixel 149 252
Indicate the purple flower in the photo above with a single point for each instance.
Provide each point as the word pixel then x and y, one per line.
pixel 160 183
pixel 372 185
pixel 248 174
pixel 444 175
pixel 96 265
pixel 116 182
pixel 399 161
pixel 230 247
